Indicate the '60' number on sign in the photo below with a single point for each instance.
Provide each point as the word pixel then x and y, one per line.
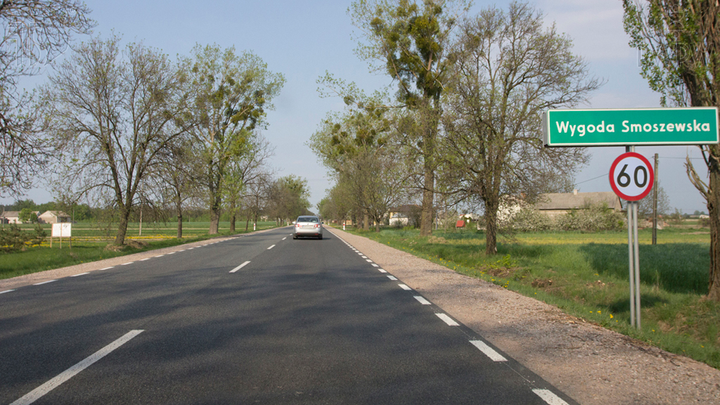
pixel 631 176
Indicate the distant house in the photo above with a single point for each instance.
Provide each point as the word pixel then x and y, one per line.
pixel 10 217
pixel 555 204
pixel 403 215
pixel 53 217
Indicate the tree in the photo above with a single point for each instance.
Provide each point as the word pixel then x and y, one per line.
pixel 27 215
pixel 112 113
pixel 288 198
pixel 35 32
pixel 645 207
pixel 409 42
pixel 230 96
pixel 358 147
pixel 680 45
pixel 175 179
pixel 507 69
pixel 243 170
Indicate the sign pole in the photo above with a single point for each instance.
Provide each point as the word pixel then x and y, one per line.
pixel 637 265
pixel 631 251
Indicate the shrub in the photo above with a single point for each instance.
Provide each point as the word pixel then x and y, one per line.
pixel 12 238
pixel 529 220
pixel 592 218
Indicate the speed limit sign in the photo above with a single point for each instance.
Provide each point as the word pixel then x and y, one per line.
pixel 631 176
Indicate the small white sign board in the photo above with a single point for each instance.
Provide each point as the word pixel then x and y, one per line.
pixel 62 230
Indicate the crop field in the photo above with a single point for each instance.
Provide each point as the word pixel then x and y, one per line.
pixel 586 275
pixel 89 242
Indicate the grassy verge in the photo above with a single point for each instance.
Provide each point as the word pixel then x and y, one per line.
pixel 90 242
pixel 586 275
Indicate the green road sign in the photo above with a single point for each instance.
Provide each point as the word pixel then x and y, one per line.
pixel 642 126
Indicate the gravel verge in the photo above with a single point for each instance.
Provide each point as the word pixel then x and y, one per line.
pixel 591 364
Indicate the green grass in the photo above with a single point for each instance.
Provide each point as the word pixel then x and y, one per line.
pixel 89 244
pixel 586 275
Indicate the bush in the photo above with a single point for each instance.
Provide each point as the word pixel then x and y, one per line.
pixel 591 218
pixel 530 220
pixel 13 239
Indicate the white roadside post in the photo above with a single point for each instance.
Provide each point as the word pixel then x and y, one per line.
pixel 632 178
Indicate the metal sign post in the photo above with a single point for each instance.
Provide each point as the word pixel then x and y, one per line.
pixel 632 178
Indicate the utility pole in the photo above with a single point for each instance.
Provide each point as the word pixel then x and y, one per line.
pixel 655 203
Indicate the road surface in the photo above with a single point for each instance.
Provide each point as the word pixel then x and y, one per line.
pixel 260 318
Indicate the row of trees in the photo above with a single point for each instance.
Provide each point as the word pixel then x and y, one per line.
pixel 464 125
pixel 465 121
pixel 124 126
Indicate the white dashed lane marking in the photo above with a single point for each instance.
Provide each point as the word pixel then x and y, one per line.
pixel 382 271
pixel 6 291
pixel 271 247
pixel 405 287
pixel 449 321
pixel 488 351
pixel 107 268
pixel 40 391
pixel 125 264
pixel 46 282
pixel 393 278
pixel 81 274
pixel 549 397
pixel 145 259
pixel 240 267
pixel 422 300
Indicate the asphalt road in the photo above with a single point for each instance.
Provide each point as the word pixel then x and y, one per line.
pixel 303 321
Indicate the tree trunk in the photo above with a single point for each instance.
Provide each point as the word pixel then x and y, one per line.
pixel 427 204
pixel 713 206
pixel 122 227
pixel 232 222
pixel 491 208
pixel 178 208
pixel 214 221
pixel 366 222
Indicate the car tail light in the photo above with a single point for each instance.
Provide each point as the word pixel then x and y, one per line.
pixel 297 225
pixel 317 226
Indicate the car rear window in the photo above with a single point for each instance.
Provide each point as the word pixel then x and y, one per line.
pixel 307 219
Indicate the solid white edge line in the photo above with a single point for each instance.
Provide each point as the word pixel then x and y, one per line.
pixel 81 274
pixel 422 300
pixel 405 287
pixel 40 391
pixel 488 351
pixel 240 267
pixel 549 397
pixel 393 278
pixel 271 247
pixel 6 291
pixel 45 282
pixel 449 321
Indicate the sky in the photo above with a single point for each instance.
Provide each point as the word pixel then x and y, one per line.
pixel 303 40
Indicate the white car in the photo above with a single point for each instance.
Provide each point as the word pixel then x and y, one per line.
pixel 307 225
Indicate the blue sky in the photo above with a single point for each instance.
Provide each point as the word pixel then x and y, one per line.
pixel 302 40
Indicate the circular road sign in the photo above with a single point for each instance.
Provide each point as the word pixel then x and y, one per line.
pixel 631 176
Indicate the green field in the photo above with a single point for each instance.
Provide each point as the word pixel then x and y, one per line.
pixel 89 243
pixel 586 275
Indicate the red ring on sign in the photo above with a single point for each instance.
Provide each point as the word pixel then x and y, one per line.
pixel 651 177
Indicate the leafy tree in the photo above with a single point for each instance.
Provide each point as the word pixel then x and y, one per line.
pixel 680 45
pixel 230 96
pixel 27 215
pixel 35 32
pixel 645 207
pixel 508 68
pixel 289 198
pixel 112 112
pixel 409 42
